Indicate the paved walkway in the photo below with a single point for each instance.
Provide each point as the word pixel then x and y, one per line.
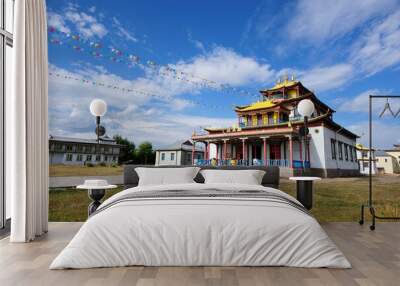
pixel 62 182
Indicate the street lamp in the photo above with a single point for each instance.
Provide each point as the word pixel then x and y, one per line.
pixel 305 108
pixel 98 108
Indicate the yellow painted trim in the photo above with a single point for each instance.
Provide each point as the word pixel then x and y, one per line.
pixel 265 119
pixel 254 119
pixel 275 117
pixel 258 105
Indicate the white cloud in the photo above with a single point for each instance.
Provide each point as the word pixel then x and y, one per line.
pixel 358 103
pixel 137 116
pixel 199 45
pixel 330 77
pixel 57 21
pixel 323 78
pixel 379 47
pixel 142 117
pixel 92 9
pixel 122 32
pixel 86 24
pixel 384 134
pixel 320 20
pixel 225 66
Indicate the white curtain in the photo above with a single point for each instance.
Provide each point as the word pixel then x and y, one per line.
pixel 26 123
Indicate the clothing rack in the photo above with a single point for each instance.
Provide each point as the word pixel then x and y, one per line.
pixel 370 204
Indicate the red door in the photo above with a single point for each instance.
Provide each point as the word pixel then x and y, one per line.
pixel 275 151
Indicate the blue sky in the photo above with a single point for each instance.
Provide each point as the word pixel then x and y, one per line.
pixel 227 51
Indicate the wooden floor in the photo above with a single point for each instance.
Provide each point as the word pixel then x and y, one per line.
pixel 375 257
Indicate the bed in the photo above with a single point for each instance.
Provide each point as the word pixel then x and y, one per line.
pixel 201 224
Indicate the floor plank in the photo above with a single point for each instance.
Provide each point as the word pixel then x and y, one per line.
pixel 375 257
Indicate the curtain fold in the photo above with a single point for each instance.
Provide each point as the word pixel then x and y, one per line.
pixel 26 123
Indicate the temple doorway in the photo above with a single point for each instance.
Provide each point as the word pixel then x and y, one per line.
pixel 275 151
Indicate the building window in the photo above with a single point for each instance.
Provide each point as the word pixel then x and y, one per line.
pixel 79 157
pixel 385 160
pixel 346 152
pixel 69 148
pixel 98 158
pixel 172 156
pixel 68 157
pixel 105 158
pixel 89 158
pixel 340 147
pixel 162 156
pixel 333 148
pixel 79 148
pixel 351 153
pixel 114 159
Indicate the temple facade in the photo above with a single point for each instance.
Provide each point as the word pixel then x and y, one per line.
pixel 267 133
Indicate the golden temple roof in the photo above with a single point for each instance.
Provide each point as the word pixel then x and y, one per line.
pixel 257 105
pixel 285 83
pixel 359 146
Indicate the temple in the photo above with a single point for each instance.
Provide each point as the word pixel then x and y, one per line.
pixel 268 133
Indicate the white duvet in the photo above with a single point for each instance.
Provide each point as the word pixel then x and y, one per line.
pixel 200 231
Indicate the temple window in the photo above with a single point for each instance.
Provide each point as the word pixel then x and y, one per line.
pixel 333 148
pixel 340 147
pixel 254 120
pixel 270 118
pixel 285 117
pixel 277 96
pixel 265 119
pixel 259 120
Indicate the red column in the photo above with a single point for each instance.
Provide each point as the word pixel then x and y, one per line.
pixel 291 152
pixel 224 154
pixel 193 150
pixel 265 151
pixel 217 153
pixel 207 151
pixel 244 149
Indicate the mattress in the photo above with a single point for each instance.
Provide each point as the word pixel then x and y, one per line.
pixel 201 225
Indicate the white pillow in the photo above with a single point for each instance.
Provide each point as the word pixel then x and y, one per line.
pixel 249 177
pixel 166 176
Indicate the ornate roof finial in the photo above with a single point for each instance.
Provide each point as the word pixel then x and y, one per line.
pixel 293 78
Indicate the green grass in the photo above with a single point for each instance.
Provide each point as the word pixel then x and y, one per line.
pixel 334 199
pixel 67 171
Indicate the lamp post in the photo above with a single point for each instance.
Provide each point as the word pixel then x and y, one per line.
pixel 305 108
pixel 98 108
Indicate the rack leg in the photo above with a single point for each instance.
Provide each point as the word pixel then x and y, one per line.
pixel 361 221
pixel 372 210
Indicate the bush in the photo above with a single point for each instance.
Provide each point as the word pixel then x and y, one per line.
pixel 89 164
pixel 114 165
pixel 102 164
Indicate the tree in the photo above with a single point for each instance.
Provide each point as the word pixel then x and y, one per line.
pixel 145 154
pixel 127 151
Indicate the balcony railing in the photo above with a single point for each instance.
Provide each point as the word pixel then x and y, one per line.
pixel 261 124
pixel 297 164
